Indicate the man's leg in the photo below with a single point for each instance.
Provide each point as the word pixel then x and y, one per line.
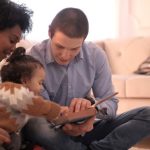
pixel 38 131
pixel 122 133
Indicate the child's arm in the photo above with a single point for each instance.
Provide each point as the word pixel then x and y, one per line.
pixel 41 107
pixel 18 98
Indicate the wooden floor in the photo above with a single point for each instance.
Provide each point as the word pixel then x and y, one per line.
pixel 128 104
pixel 137 148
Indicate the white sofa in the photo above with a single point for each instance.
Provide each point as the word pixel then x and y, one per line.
pixel 125 56
pixel 27 44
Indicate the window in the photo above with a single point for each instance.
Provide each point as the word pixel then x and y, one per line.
pixel 102 16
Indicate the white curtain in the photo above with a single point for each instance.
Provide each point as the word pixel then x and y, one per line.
pixel 102 15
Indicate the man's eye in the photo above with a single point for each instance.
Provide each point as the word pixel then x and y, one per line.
pixel 59 46
pixel 74 49
pixel 41 83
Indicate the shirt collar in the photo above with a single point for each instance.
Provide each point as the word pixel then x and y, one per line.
pixel 80 55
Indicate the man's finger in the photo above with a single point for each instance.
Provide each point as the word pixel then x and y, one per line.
pixel 85 104
pixel 72 105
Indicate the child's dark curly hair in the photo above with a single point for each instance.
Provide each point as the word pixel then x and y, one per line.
pixel 19 66
pixel 12 14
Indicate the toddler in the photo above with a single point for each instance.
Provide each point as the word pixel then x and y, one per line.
pixel 22 77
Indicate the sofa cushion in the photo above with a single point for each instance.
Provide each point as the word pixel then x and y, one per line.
pixel 26 44
pixel 119 84
pixel 125 55
pixel 138 86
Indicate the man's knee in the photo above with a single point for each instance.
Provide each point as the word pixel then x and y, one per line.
pixel 144 114
pixel 38 129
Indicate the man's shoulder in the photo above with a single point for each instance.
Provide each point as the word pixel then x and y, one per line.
pixel 90 49
pixel 39 46
pixel 39 50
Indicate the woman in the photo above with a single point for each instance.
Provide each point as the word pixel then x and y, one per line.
pixel 15 20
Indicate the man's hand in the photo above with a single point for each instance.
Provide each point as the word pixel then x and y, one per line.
pixel 79 129
pixel 4 136
pixel 76 105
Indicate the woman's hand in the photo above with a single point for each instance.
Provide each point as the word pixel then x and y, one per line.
pixel 4 136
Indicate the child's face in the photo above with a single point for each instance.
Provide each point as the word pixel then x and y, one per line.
pixel 35 83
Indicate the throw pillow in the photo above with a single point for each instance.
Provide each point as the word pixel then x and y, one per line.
pixel 144 67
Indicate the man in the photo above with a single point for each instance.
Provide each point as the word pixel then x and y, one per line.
pixel 15 20
pixel 73 68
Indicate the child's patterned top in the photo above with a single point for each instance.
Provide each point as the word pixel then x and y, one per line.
pixel 17 103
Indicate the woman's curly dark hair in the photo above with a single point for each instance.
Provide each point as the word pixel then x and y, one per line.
pixel 19 66
pixel 12 14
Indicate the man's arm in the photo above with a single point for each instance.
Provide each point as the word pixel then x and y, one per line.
pixel 102 86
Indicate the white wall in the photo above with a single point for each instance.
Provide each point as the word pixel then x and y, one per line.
pixel 134 18
pixel 140 13
pixel 102 15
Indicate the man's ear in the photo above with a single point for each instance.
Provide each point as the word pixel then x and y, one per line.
pixel 49 31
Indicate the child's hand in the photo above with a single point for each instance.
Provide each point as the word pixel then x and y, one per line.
pixel 4 136
pixel 64 110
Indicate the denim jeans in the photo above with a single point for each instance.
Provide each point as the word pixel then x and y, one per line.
pixel 120 133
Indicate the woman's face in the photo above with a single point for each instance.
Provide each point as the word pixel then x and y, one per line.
pixel 8 39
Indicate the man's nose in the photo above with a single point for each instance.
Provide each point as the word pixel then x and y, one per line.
pixel 66 54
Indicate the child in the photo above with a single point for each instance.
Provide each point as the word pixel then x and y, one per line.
pixel 22 77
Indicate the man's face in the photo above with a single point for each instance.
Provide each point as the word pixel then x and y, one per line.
pixel 8 40
pixel 64 48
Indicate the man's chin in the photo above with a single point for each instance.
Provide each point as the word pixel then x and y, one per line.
pixel 62 62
